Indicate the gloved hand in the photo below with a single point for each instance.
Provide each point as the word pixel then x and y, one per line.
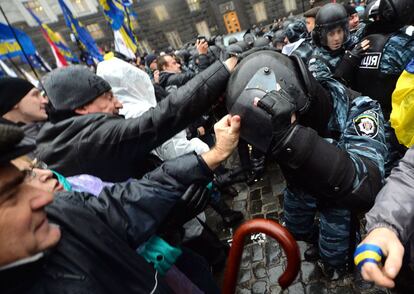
pixel 258 165
pixel 345 70
pixel 236 175
pixel 281 106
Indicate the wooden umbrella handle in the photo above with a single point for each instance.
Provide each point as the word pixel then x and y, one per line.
pixel 270 228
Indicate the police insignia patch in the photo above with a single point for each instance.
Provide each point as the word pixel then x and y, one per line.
pixel 371 60
pixel 366 124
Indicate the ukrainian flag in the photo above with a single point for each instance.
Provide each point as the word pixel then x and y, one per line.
pixel 57 41
pixel 116 14
pixel 402 114
pixel 9 47
pixel 81 34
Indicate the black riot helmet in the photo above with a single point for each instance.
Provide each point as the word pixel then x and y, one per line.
pixel 248 38
pixel 296 31
pixel 232 40
pixel 261 42
pixel 396 11
pixel 257 74
pixel 279 36
pixel 243 45
pixel 329 17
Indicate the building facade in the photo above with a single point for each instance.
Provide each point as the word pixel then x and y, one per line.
pixel 160 23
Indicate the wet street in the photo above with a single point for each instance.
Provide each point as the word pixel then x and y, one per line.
pixel 263 260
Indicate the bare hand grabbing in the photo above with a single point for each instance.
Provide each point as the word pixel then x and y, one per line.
pixel 227 132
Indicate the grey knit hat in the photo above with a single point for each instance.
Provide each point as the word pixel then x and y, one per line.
pixel 71 87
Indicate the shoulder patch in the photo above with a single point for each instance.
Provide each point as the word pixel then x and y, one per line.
pixel 371 60
pixel 366 124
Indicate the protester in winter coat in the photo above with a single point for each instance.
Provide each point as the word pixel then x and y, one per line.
pixel 390 227
pixel 390 221
pixel 87 136
pixel 92 248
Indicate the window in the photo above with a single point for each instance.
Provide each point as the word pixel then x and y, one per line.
pixel 193 5
pixel 79 6
pixel 143 46
pixel 202 29
pixel 146 46
pixel 260 11
pixel 95 30
pixel 174 39
pixel 38 9
pixel 161 12
pixel 290 5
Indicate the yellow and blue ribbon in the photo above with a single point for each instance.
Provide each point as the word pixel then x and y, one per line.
pixel 367 253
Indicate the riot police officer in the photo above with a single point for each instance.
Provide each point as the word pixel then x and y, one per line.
pixel 337 53
pixel 298 39
pixel 330 147
pixel 391 49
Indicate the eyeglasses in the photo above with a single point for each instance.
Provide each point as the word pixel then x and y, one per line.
pixel 38 164
pixel 29 173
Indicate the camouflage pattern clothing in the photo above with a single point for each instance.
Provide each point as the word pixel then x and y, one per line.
pixel 305 50
pixel 397 53
pixel 323 62
pixel 357 127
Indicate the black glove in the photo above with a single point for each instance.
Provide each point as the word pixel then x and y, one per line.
pixel 281 106
pixel 236 175
pixel 345 71
pixel 258 165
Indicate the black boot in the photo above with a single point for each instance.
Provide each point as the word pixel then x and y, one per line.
pixel 230 217
pixel 312 253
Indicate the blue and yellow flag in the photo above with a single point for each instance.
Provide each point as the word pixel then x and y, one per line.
pixel 116 12
pixel 9 47
pixel 55 40
pixel 80 32
pixel 402 114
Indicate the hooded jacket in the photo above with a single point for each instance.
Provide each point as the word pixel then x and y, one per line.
pixel 113 148
pixel 96 253
pixel 137 96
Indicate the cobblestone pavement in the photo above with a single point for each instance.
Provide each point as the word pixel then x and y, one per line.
pixel 263 260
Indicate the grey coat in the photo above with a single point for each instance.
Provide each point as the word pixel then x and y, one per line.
pixel 394 205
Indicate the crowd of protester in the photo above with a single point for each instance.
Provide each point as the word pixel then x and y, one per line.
pixel 105 175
